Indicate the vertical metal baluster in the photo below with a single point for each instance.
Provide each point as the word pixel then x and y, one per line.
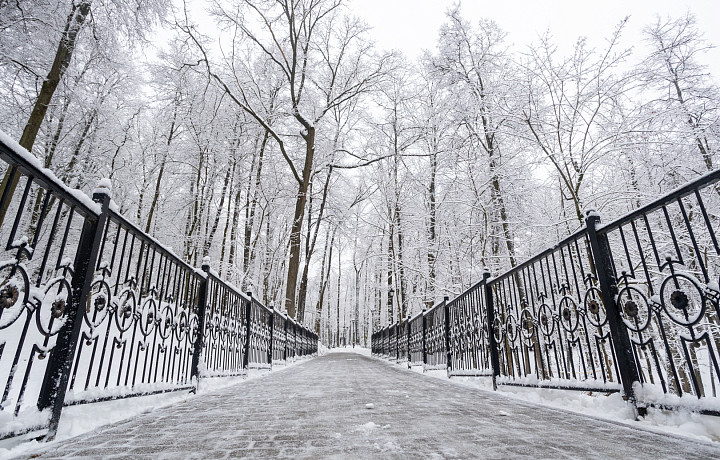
pixel 55 381
pixel 200 338
pixel 621 338
pixel 490 309
pixel 424 339
pixel 248 320
pixel 448 353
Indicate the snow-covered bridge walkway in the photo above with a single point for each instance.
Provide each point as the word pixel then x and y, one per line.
pixel 345 405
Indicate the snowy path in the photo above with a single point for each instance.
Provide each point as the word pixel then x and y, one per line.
pixel 346 405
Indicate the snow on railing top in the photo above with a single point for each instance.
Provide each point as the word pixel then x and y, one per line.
pixel 32 165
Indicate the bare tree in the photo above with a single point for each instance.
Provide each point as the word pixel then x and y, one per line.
pixel 326 62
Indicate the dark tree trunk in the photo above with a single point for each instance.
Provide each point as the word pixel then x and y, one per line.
pixel 296 229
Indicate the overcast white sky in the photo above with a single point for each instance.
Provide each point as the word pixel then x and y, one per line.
pixel 412 25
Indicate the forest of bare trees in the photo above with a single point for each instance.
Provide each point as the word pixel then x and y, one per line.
pixel 344 184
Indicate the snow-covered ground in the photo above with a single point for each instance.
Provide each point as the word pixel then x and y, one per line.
pixel 359 350
pixel 346 405
pixel 83 418
pixel 608 406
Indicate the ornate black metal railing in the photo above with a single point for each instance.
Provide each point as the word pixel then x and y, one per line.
pixel 92 308
pixel 631 306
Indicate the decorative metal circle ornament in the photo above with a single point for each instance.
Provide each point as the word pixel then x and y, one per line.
pixel 193 328
pixel 568 313
pixel 125 310
pixel 682 299
pixel 527 323
pixel 547 323
pixel 595 310
pixel 511 328
pixel 634 308
pixel 14 289
pixel 182 326
pixel 97 302
pixel 53 306
pixel 9 295
pixel 148 316
pixel 166 322
pixel 58 308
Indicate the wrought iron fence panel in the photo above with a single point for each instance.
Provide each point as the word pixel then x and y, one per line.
pixel 40 231
pixel 279 337
pixel 381 342
pixel 416 339
pixel 225 329
pixel 259 335
pixel 403 341
pixel 392 342
pixel 435 347
pixel 550 320
pixel 92 308
pixel 291 339
pixel 140 323
pixel 469 340
pixel 301 342
pixel 666 260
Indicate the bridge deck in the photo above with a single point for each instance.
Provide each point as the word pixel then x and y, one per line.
pixel 319 409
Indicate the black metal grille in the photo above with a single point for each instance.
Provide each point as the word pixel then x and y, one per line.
pixel 633 305
pixel 92 308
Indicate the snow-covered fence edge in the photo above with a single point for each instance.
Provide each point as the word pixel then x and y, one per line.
pixel 92 308
pixel 631 306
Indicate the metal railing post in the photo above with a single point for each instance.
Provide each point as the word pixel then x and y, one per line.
pixel 201 313
pixel 621 342
pixel 448 353
pixel 409 357
pixel 492 343
pixel 272 332
pixel 424 339
pixel 248 321
pixel 57 373
pixel 397 341
pixel 285 346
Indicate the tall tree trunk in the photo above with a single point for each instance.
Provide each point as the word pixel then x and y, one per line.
pixel 63 55
pixel 338 297
pixel 296 229
pixel 251 200
pixel 209 237
pixel 402 304
pixel 228 216
pixel 310 245
pixel 193 213
pixel 302 291
pixel 267 265
pixel 324 279
pixel 390 259
pixel 156 194
pixel 432 232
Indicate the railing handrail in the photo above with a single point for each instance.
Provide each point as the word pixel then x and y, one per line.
pixel 192 322
pixel 679 192
pixel 576 317
pixel 157 245
pixel 15 155
pixel 227 285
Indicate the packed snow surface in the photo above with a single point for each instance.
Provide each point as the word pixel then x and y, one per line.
pixel 318 410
